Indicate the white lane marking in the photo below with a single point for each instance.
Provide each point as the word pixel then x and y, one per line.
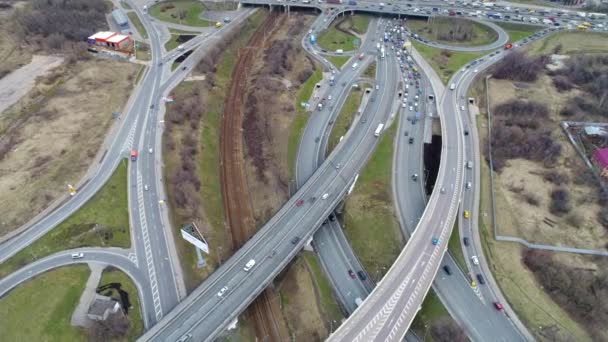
pixel 148 251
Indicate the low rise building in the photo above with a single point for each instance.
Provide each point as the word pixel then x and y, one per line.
pixel 101 307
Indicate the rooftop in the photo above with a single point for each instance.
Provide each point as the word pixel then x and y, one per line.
pixel 116 38
pixel 102 35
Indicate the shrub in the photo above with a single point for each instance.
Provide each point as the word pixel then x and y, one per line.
pixel 517 66
pixel 560 202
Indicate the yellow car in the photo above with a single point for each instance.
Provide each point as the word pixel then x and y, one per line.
pixel 218 24
pixel 466 214
pixel 473 284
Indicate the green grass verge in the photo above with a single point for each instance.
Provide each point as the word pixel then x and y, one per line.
pixel 142 51
pixel 103 221
pixel 41 308
pixel 370 71
pixel 369 219
pixel 140 73
pixel 345 117
pixel 113 275
pixel 192 9
pixel 177 31
pixel 138 25
pixel 328 303
pixel 571 43
pixel 442 25
pixel 338 61
pixel 174 41
pixel 207 160
pixel 519 31
pixel 333 39
pixel 125 5
pixel 299 122
pixel 431 311
pixel 444 62
pixel 455 248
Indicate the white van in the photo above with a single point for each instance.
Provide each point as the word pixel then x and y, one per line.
pixel 355 66
pixel 249 265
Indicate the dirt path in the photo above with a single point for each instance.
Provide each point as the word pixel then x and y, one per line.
pixel 16 84
pixel 237 205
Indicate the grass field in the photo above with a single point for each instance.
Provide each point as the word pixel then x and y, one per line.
pixel 207 161
pixel 178 32
pixel 482 34
pixel 138 25
pixel 345 117
pixel 142 51
pixel 169 11
pixel 328 304
pixel 572 43
pixel 125 5
pixel 370 71
pixel 175 41
pixel 518 31
pixel 112 275
pixel 444 62
pixel 369 219
pixel 333 39
pixel 298 124
pixel 40 309
pixel 140 74
pixel 455 248
pixel 103 221
pixel 338 61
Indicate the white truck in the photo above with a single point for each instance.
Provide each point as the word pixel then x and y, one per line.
pixel 378 130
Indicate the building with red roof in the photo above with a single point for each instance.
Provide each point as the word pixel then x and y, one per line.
pixel 601 158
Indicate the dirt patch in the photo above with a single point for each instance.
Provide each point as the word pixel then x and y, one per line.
pixel 524 187
pixel 16 84
pixel 55 132
pixel 269 112
pixel 299 303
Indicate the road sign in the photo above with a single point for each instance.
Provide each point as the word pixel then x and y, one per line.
pixel 191 234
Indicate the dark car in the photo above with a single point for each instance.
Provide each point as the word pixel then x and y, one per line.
pixel 481 280
pixel 351 274
pixel 295 240
pixel 466 132
pixel 411 140
pixel 332 218
pixel 447 269
pixel 361 275
pixel 465 240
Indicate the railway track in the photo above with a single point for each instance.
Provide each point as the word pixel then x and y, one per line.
pixel 237 205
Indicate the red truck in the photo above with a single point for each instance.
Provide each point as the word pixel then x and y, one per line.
pixel 133 155
pixel 451 13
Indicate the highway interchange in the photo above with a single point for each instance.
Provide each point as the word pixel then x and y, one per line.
pixel 152 262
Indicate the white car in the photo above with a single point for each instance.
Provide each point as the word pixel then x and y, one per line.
pixel 150 149
pixel 324 196
pixel 475 260
pixel 146 187
pixel 222 291
pixel 377 87
pixel 403 105
pixel 77 255
pixel 461 107
pixel 249 265
pixel 411 109
pixel 475 71
pixel 329 97
pixel 469 185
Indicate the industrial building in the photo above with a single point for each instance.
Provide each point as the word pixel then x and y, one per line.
pixel 121 20
pixel 111 40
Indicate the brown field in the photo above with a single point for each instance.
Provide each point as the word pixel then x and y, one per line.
pixel 51 135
